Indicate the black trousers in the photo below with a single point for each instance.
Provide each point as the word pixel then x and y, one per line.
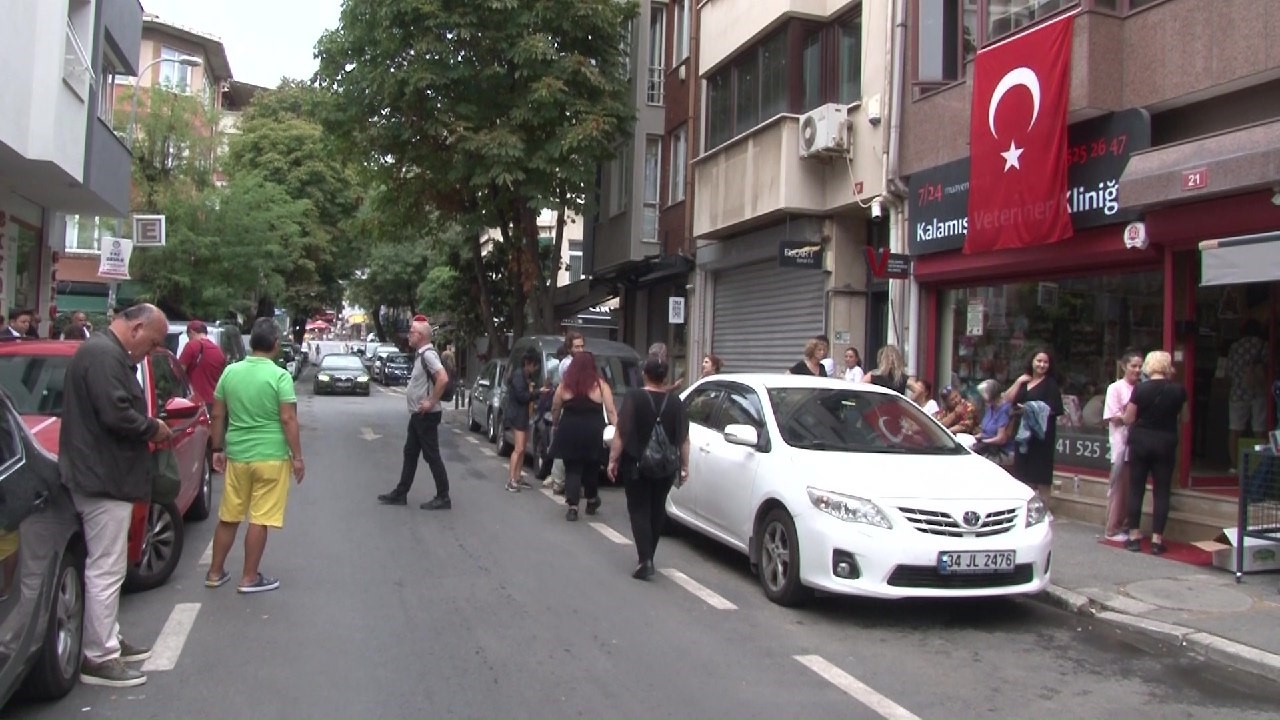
pixel 646 504
pixel 581 478
pixel 1151 453
pixel 424 437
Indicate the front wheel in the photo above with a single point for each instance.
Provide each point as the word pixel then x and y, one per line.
pixel 57 666
pixel 779 560
pixel 161 549
pixel 493 429
pixel 472 424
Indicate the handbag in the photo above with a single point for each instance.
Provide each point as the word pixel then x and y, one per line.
pixel 166 480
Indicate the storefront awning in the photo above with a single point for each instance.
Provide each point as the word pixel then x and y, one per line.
pixel 1237 260
pixel 1224 163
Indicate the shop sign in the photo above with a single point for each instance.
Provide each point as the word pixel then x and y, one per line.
pixel 1082 450
pixel 1097 152
pixel 885 265
pixel 114 262
pixel 1135 236
pixel 800 254
pixel 148 230
pixel 675 310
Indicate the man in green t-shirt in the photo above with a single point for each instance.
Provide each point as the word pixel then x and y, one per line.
pixel 255 412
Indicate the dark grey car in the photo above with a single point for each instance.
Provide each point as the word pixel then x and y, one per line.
pixel 481 400
pixel 41 569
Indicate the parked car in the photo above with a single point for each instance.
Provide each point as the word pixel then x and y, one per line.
pixel 393 368
pixel 42 551
pixel 618 364
pixel 32 373
pixel 852 489
pixel 481 402
pixel 288 359
pixel 341 374
pixel 373 361
pixel 225 335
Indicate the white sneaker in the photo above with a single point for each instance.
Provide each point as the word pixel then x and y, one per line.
pixel 1118 537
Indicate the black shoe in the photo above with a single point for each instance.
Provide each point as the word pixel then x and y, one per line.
pixel 437 503
pixel 571 514
pixel 643 571
pixel 544 470
pixel 1133 545
pixel 393 498
pixel 1158 548
pixel 593 505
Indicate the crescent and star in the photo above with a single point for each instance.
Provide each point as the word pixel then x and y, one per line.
pixel 1017 77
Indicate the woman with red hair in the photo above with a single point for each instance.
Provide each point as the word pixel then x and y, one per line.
pixel 579 411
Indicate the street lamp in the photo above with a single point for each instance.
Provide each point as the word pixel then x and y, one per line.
pixel 186 60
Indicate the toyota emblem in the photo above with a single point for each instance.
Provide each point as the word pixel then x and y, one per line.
pixel 971 519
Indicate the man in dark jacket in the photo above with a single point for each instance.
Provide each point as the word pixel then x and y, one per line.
pixel 104 461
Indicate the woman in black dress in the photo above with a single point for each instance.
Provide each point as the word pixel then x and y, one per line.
pixel 814 352
pixel 1152 417
pixel 581 405
pixel 516 415
pixel 1035 466
pixel 642 410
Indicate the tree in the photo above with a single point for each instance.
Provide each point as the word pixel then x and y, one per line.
pixel 281 139
pixel 486 110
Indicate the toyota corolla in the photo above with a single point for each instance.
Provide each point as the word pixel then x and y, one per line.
pixel 852 489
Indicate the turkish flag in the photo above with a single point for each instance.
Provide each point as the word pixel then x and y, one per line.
pixel 1018 140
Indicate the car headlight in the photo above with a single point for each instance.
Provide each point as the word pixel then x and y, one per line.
pixel 322 377
pixel 849 508
pixel 363 378
pixel 1037 511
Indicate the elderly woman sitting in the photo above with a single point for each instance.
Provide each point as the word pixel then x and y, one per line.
pixel 995 435
pixel 958 415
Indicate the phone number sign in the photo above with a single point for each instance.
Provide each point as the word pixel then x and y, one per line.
pixel 1082 450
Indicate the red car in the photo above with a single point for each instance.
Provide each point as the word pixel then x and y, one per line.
pixel 33 372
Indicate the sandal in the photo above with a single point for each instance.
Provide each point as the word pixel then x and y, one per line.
pixel 212 582
pixel 262 584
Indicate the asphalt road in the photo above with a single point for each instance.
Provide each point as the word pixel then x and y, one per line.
pixel 501 608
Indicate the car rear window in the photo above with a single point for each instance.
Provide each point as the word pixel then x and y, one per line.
pixel 35 382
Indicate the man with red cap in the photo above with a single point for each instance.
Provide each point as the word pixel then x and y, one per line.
pixel 203 361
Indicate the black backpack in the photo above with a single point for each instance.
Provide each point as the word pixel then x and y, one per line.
pixel 659 459
pixel 451 387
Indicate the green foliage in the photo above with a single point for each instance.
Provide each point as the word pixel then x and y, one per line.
pixel 173 144
pixel 486 111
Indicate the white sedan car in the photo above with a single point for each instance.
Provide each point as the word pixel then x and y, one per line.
pixel 852 489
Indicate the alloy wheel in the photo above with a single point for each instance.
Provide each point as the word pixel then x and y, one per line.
pixel 775 556
pixel 69 621
pixel 158 545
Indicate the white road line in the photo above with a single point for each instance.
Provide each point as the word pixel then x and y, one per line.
pixel 489 452
pixel 473 440
pixel 207 557
pixel 550 493
pixel 703 592
pixel 457 430
pixel 165 652
pixel 610 533
pixel 855 688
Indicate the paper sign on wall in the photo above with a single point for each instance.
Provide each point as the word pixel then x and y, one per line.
pixel 114 264
pixel 973 321
pixel 675 310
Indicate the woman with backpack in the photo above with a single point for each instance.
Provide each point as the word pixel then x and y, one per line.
pixel 650 453
pixel 579 410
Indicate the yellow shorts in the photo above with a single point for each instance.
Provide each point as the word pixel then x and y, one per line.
pixel 256 489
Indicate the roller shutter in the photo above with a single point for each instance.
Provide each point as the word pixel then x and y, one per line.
pixel 764 315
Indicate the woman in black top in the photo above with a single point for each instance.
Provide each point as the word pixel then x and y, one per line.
pixel 647 496
pixel 1035 466
pixel 1152 417
pixel 516 415
pixel 814 351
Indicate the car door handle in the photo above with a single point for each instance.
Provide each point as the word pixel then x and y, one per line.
pixel 41 499
pixel 705 449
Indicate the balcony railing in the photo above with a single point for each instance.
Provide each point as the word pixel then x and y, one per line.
pixel 653 88
pixel 77 72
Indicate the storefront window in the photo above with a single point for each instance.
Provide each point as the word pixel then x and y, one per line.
pixel 1087 323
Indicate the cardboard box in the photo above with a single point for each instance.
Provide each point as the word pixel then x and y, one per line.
pixel 1259 555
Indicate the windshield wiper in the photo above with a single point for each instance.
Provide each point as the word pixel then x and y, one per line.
pixel 814 444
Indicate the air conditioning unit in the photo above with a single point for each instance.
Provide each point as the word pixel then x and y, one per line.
pixel 825 131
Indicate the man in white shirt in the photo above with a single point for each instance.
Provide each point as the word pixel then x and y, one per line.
pixel 19 324
pixel 1117 398
pixel 828 364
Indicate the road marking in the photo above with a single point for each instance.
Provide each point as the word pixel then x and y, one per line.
pixel 368 434
pixel 855 688
pixel 489 452
pixel 457 430
pixel 549 492
pixel 207 557
pixel 473 440
pixel 703 592
pixel 610 533
pixel 164 654
pixel 42 425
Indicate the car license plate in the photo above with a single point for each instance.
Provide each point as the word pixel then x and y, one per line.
pixel 976 561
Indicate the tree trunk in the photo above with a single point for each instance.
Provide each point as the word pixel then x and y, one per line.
pixel 377 322
pixel 515 268
pixel 532 277
pixel 557 258
pixel 496 341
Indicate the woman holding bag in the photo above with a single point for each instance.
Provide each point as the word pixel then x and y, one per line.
pixel 643 411
pixel 579 410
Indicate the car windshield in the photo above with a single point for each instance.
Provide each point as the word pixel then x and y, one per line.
pixel 341 362
pixel 622 373
pixel 849 420
pixel 34 382
pixel 399 359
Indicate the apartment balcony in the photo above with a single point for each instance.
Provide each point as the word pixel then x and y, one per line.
pixel 760 177
pixel 653 85
pixel 738 22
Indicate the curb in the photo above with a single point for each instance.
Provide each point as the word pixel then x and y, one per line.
pixel 1206 645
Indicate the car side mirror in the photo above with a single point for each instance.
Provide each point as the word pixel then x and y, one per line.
pixel 485 384
pixel 741 435
pixel 967 440
pixel 179 409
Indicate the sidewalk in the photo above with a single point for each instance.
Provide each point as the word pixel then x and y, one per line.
pixel 1199 608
